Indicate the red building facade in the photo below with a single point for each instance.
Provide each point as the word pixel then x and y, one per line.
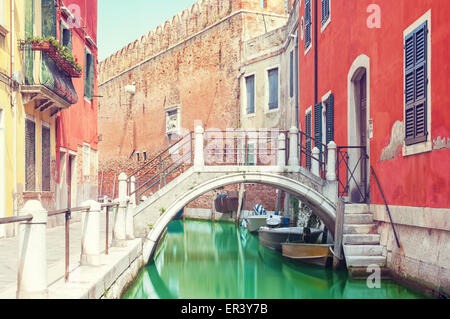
pixel 385 64
pixel 77 137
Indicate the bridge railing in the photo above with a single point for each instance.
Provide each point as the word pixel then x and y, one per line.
pixel 244 147
pixel 312 158
pixel 162 168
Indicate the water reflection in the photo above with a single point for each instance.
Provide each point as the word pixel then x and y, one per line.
pixel 217 260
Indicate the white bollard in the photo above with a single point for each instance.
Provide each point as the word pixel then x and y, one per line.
pixel 32 275
pixel 331 162
pixel 130 210
pixel 281 150
pixel 90 234
pixel 119 231
pixel 293 147
pixel 199 157
pixel 314 162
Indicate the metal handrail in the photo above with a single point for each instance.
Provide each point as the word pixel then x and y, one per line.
pixel 343 158
pixel 306 153
pixel 386 204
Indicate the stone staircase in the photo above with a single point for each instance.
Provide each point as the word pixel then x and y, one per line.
pixel 361 241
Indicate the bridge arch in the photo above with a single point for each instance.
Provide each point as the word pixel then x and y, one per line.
pixel 322 206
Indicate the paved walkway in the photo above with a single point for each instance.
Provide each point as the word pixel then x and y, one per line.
pixel 9 248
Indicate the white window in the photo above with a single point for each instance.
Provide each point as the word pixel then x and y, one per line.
pixel 173 121
pixel 86 160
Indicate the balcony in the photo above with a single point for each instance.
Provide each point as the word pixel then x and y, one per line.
pixel 46 81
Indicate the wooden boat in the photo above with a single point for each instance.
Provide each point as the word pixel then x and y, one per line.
pixel 274 237
pixel 255 222
pixel 316 254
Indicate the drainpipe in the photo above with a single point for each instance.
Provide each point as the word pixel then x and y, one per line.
pixel 315 53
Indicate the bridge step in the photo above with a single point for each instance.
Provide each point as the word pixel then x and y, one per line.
pixel 360 228
pixel 364 261
pixel 361 239
pixel 358 218
pixel 363 250
pixel 357 208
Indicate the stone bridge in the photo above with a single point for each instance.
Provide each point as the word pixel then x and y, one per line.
pixel 147 218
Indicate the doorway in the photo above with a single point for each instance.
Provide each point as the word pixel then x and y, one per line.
pixel 358 172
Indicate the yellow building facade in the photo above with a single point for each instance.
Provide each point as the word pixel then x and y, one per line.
pixel 27 132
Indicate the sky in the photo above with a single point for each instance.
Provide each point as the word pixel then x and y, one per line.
pixel 123 21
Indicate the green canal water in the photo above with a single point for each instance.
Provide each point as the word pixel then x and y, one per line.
pixel 204 260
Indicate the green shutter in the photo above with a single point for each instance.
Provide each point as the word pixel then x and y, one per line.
pixel 308 23
pixel 91 76
pixel 330 118
pixel 308 143
pixel 416 83
pixel 318 125
pixel 86 74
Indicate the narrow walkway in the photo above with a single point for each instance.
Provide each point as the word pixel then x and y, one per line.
pixel 9 248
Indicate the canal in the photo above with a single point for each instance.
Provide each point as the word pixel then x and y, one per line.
pixel 204 260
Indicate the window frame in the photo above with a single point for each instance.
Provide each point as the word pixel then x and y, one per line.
pixel 309 46
pixel 267 109
pixel 246 94
pixel 3 28
pixel 86 170
pixel 45 125
pixel 88 52
pixel 31 119
pixel 425 146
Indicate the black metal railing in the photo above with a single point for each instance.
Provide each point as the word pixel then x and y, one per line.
pixel 386 204
pixel 306 156
pixel 351 172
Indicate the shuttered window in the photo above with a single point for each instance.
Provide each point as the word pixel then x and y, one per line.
pixel 45 159
pixel 308 142
pixel 250 89
pixel 329 105
pixel 325 11
pixel 318 125
pixel 273 88
pixel 30 156
pixel 66 36
pixel 416 83
pixel 308 23
pixel 89 76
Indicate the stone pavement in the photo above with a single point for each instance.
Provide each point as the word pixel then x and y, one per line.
pixel 9 248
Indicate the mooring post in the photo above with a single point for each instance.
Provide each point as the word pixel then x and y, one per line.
pixel 338 233
pixel 119 232
pixel 90 234
pixel 32 274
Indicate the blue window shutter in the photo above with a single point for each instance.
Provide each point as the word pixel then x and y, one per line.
pixel 250 87
pixel 325 10
pixel 318 125
pixel 308 142
pixel 330 118
pixel 308 23
pixel 273 89
pixel 416 83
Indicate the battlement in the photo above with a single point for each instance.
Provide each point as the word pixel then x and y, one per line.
pixel 183 25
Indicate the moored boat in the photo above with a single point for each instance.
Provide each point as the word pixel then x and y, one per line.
pixel 255 222
pixel 316 254
pixel 274 237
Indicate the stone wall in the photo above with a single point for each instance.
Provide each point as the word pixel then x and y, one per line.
pixel 192 63
pixel 424 257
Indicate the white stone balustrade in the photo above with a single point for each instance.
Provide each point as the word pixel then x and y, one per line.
pixel 90 234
